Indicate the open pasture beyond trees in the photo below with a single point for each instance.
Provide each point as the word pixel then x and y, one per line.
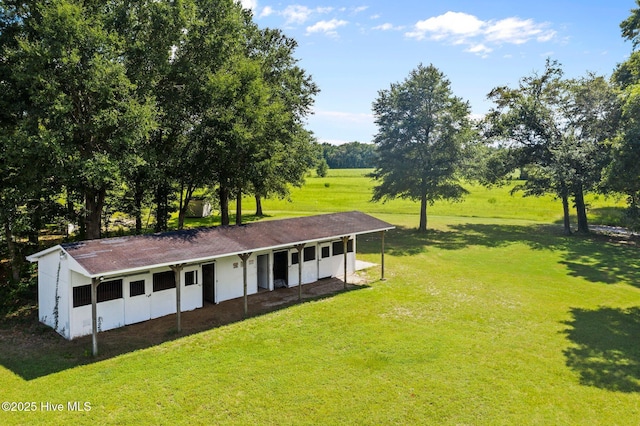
pixel 491 317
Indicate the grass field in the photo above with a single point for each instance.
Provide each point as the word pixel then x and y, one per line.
pixel 350 189
pixel 492 317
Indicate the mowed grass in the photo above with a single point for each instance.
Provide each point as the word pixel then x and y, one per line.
pixel 351 189
pixel 483 320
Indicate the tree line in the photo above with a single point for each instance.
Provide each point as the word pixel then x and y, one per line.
pixel 133 105
pixel 569 136
pixel 352 155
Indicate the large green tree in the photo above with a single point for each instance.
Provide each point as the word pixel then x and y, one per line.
pixel 556 129
pixel 623 174
pixel 285 149
pixel 29 180
pixel 422 132
pixel 151 30
pixel 71 65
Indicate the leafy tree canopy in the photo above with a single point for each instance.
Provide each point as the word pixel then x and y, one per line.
pixel 422 132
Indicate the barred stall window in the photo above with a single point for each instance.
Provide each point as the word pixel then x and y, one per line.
pixel 136 288
pixel 338 249
pixel 164 281
pixel 326 252
pixel 109 290
pixel 82 295
pixel 309 253
pixel 294 258
pixel 190 278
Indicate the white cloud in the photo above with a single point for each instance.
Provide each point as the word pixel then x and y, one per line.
pixel 384 27
pixel 327 27
pixel 249 4
pixel 360 9
pixel 517 31
pixel 296 14
pixel 480 49
pixel 451 24
pixel 266 11
pixel 460 28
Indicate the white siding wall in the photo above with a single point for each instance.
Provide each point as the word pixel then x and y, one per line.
pixel 75 322
pixel 229 281
pixel 338 261
pixel 50 277
pixel 309 268
pixel 128 310
pixel 81 316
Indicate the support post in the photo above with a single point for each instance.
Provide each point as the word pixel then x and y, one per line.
pixel 244 257
pixel 382 256
pixel 299 247
pixel 94 315
pixel 345 241
pixel 177 269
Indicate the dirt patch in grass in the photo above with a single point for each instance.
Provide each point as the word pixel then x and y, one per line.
pixel 31 349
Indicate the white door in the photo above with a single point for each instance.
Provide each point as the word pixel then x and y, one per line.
pixel 137 300
pixel 325 263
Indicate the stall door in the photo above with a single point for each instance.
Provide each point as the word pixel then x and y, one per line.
pixel 325 263
pixel 137 302
pixel 209 282
pixel 263 271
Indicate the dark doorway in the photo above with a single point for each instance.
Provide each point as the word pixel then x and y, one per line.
pixel 280 268
pixel 263 271
pixel 209 282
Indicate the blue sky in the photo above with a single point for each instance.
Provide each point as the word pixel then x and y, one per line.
pixel 353 49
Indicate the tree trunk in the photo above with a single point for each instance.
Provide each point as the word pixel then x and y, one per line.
pixel 423 213
pixel 138 195
pixel 71 213
pixel 239 208
pixel 94 203
pixel 162 207
pixel 35 207
pixel 581 210
pixel 13 257
pixel 182 206
pixel 565 208
pixel 259 206
pixel 223 194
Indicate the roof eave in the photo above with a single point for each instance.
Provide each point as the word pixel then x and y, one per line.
pixel 128 271
pixel 36 256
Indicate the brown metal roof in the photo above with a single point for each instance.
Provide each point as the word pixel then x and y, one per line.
pixel 113 255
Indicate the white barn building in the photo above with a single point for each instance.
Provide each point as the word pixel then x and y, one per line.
pixel 99 285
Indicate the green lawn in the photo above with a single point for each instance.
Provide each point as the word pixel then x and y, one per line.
pixel 492 317
pixel 350 189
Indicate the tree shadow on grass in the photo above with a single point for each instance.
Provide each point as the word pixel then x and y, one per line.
pixel 606 259
pixel 32 350
pixel 606 353
pixel 410 242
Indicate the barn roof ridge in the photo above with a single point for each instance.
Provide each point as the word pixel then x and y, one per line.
pixel 113 255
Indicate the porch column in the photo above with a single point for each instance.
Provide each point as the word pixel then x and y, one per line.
pixel 94 315
pixel 382 233
pixel 345 241
pixel 244 257
pixel 299 247
pixel 177 269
